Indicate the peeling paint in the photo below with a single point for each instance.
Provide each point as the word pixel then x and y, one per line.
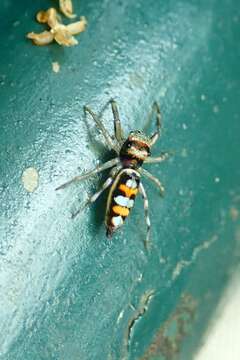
pixel 138 313
pixel 120 316
pixel 185 263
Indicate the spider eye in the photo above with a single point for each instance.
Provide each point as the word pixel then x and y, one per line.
pixel 129 144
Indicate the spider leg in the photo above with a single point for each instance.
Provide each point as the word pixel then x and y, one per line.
pixel 94 197
pixel 156 134
pixel 85 176
pixel 117 123
pixel 162 157
pixel 102 128
pixel 153 179
pixel 146 212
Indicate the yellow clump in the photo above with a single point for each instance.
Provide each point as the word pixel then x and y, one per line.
pixel 66 8
pixel 62 34
pixel 78 26
pixel 44 38
pixel 42 16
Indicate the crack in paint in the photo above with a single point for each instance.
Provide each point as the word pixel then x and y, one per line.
pixel 138 313
pixel 185 263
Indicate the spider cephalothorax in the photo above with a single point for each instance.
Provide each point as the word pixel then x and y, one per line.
pixel 135 150
pixel 125 177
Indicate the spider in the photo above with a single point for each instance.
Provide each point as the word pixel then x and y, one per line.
pixel 125 176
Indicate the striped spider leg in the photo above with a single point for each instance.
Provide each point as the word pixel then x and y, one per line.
pixel 111 163
pixel 153 179
pixel 157 159
pixel 94 197
pixel 151 160
pixel 89 174
pixel 118 134
pixel 153 139
pixel 156 134
pixel 117 124
pixel 109 142
pixel 146 213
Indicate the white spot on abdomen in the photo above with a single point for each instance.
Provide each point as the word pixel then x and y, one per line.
pixel 117 221
pixel 124 201
pixel 131 183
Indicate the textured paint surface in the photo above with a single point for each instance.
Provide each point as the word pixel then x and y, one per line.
pixel 66 291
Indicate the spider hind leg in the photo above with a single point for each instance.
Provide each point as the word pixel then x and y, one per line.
pixel 94 197
pixel 146 214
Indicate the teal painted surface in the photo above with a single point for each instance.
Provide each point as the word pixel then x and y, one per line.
pixel 65 290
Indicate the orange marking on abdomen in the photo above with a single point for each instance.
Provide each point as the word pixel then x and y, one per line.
pixel 120 210
pixel 128 191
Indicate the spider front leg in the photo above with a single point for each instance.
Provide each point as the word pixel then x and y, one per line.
pixel 102 128
pixel 94 197
pixel 146 213
pixel 156 134
pixel 117 123
pixel 85 176
pixel 157 159
pixel 153 179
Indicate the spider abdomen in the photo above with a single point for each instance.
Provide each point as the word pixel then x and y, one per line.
pixel 121 198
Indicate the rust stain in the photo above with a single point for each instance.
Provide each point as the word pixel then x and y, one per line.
pixel 167 342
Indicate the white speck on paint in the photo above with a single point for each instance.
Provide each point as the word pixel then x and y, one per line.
pixel 162 260
pixel 163 91
pixel 55 66
pixel 184 152
pixel 30 179
pixel 217 180
pixel 16 23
